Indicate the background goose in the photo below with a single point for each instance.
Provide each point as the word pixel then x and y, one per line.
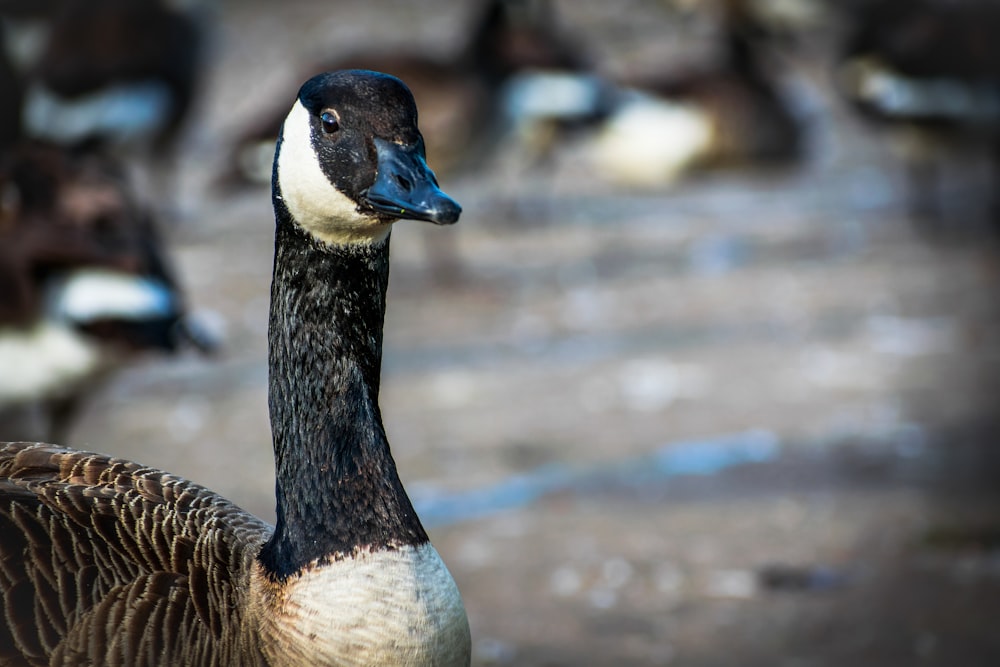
pixel 347 575
pixel 119 74
pixel 929 72
pixel 114 71
pixel 731 113
pixel 85 285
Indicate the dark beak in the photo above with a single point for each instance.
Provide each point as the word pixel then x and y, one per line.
pixel 406 188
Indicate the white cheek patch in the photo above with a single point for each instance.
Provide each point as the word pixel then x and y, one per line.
pixel 315 204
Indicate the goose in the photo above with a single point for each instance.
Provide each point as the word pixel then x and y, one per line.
pixel 928 73
pixel 86 286
pixel 119 74
pixel 731 114
pixel 105 561
pixel 113 71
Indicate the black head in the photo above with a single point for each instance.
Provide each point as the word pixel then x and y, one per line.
pixel 350 159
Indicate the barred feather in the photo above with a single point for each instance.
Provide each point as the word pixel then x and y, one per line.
pixel 104 561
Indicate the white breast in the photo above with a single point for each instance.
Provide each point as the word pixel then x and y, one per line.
pixel 650 142
pixel 44 360
pixel 393 607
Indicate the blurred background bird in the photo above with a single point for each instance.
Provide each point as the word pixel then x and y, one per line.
pixel 928 72
pixel 86 285
pixel 96 95
pixel 729 111
pixel 116 74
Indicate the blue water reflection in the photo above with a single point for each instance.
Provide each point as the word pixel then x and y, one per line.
pixel 685 458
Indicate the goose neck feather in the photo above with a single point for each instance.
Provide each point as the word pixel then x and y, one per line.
pixel 338 492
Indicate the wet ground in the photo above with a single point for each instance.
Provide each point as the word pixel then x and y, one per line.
pixel 750 420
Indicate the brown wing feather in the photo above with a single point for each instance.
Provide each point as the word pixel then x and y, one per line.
pixel 104 561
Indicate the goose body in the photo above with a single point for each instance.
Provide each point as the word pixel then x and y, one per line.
pixel 121 75
pixel 105 561
pixel 85 285
pixel 109 71
pixel 919 62
pixel 729 114
pixel 57 356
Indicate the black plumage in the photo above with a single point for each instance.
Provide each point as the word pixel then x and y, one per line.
pixel 330 303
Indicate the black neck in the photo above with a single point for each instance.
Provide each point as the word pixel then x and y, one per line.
pixel 337 486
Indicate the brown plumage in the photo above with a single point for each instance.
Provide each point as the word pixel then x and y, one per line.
pixel 92 542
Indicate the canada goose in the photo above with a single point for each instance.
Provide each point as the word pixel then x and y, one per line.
pixel 113 71
pixel 459 94
pixel 84 285
pixel 108 562
pixel 119 74
pixel 730 114
pixel 930 73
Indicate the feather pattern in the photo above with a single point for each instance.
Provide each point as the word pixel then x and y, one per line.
pixel 90 540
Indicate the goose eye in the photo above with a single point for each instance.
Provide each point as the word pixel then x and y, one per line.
pixel 330 122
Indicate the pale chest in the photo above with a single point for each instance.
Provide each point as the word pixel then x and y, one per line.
pixel 44 360
pixel 393 607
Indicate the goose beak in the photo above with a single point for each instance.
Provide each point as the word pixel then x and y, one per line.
pixel 406 188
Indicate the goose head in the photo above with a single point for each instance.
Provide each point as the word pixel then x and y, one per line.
pixel 350 160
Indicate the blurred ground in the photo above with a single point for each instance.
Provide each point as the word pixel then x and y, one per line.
pixel 826 380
